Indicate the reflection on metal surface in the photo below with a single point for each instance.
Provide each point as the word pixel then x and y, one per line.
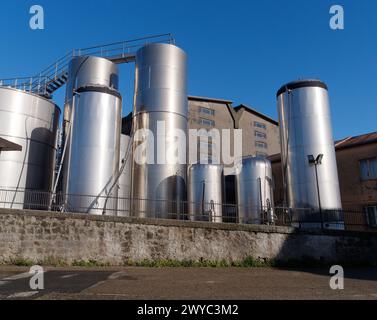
pixel 160 95
pixel 255 191
pixel 205 192
pixel 31 122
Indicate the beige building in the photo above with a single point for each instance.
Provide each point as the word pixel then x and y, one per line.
pixel 357 168
pixel 260 133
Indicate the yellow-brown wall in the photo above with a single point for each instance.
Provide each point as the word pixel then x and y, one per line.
pixel 355 193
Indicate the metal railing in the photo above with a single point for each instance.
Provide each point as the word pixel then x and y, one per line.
pixel 55 75
pixel 180 210
pixel 123 49
pixel 30 84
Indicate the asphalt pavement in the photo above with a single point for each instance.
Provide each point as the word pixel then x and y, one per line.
pixel 187 283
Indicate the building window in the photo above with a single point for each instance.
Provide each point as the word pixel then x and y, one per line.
pixel 205 145
pixel 368 169
pixel 207 111
pixel 261 135
pixel 260 125
pixel 371 212
pixel 206 122
pixel 260 144
pixel 261 154
pixel 206 153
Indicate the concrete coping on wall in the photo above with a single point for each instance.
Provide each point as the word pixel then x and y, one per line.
pixel 184 224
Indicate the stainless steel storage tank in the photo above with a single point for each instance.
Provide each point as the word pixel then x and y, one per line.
pixel 30 121
pixel 254 186
pixel 306 133
pixel 124 183
pixel 92 131
pixel 205 192
pixel 158 189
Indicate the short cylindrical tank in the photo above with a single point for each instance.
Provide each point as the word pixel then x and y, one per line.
pixel 30 121
pixel 205 192
pixel 307 146
pixel 254 186
pixel 160 129
pixel 124 192
pixel 91 163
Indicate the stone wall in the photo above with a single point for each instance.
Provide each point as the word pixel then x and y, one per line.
pixel 46 236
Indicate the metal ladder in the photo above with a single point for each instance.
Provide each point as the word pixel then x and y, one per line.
pixel 56 75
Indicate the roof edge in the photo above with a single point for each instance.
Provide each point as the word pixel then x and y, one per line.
pixel 207 99
pixel 257 113
pixel 7 145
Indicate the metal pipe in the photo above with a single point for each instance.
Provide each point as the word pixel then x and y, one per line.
pixel 319 195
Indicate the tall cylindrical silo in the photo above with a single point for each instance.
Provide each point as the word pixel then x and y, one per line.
pixel 92 133
pixel 160 101
pixel 205 192
pixel 308 153
pixel 254 186
pixel 30 121
pixel 124 183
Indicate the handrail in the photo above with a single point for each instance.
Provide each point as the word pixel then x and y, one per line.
pixel 134 40
pixel 55 75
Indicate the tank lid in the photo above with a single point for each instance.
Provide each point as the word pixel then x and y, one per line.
pixel 301 84
pixel 32 94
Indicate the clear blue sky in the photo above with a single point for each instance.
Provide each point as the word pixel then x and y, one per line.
pixel 238 50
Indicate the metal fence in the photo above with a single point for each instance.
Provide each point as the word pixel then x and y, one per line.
pixel 180 210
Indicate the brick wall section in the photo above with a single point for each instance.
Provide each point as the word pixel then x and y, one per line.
pixel 356 193
pixel 45 236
